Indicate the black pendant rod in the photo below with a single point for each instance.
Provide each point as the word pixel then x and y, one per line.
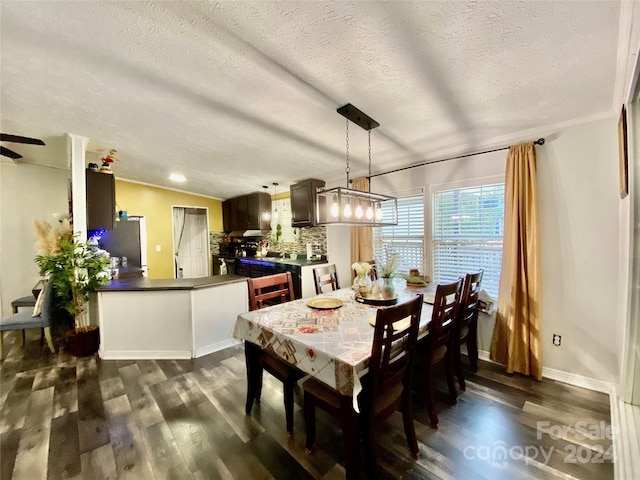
pixel 540 141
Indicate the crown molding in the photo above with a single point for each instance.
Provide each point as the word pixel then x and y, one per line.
pixel 167 188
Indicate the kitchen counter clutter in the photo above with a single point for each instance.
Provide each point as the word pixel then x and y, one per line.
pixel 145 318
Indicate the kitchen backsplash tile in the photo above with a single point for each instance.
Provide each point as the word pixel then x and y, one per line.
pixel 317 236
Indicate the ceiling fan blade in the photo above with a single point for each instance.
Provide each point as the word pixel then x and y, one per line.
pixel 9 153
pixel 5 137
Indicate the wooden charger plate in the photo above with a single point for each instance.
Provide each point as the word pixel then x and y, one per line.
pixel 325 303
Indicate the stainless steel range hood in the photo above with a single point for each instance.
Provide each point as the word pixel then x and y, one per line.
pixel 248 233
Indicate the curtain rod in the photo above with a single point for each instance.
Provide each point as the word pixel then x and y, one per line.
pixel 540 141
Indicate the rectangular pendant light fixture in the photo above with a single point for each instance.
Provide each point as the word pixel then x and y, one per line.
pixel 345 206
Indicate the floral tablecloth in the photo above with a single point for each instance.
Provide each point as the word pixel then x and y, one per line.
pixel 333 346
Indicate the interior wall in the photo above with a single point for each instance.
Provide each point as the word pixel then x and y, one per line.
pixel 580 249
pixel 580 239
pixel 156 204
pixel 27 192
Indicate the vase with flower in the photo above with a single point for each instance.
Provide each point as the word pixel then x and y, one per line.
pixel 362 282
pixel 107 161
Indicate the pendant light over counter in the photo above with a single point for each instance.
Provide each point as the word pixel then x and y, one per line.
pixel 345 206
pixel 276 214
pixel 266 215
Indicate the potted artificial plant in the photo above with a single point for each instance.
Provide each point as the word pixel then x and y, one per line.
pixel 75 269
pixel 387 272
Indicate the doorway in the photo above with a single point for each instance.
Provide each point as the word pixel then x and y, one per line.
pixel 190 242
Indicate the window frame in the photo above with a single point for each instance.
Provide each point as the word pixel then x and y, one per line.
pixel 467 183
pixel 412 192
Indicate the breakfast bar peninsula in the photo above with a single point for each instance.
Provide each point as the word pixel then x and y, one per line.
pixel 145 318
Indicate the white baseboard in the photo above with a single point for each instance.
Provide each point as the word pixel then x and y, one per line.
pixel 565 377
pixel 146 355
pixel 216 347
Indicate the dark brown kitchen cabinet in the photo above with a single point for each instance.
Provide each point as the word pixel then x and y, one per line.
pixel 246 212
pixel 303 202
pixel 101 200
pixel 226 215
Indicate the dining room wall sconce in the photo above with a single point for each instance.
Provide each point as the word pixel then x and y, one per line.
pixel 345 206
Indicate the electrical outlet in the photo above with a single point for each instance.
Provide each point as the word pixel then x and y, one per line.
pixel 158 248
pixel 557 339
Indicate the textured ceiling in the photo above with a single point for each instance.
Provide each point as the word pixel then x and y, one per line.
pixel 236 95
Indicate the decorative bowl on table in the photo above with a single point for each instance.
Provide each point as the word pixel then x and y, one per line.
pixel 377 300
pixel 414 279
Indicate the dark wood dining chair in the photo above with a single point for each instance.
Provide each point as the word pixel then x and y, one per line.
pixel 435 350
pixel 467 325
pixel 386 388
pixel 265 291
pixel 326 275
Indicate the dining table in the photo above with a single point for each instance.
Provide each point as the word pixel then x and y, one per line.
pixel 328 336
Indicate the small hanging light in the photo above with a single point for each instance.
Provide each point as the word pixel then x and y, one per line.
pixel 266 215
pixel 344 206
pixel 275 193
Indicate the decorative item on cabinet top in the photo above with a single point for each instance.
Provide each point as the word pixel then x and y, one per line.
pixel 107 161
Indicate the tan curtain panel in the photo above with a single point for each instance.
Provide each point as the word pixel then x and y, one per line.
pixel 516 341
pixel 361 237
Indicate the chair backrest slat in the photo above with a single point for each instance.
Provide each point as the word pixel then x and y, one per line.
pixel 269 289
pixel 392 353
pixel 468 310
pixel 326 275
pixel 445 311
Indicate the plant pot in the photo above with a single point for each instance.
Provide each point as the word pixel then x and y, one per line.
pixel 83 343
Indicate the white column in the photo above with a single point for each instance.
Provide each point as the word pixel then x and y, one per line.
pixel 77 148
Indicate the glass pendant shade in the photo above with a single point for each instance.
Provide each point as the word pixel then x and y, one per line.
pixel 369 213
pixel 266 215
pixel 335 208
pixel 359 212
pixel 276 215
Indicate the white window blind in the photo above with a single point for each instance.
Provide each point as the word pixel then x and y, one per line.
pixel 406 239
pixel 468 226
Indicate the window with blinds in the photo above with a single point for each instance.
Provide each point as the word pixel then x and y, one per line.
pixel 406 239
pixel 468 226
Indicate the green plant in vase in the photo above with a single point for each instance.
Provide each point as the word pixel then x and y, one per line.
pixel 387 271
pixel 74 268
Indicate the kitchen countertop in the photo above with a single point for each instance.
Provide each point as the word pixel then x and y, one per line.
pixel 144 283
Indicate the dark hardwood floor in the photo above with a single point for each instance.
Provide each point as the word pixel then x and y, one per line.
pixel 67 417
